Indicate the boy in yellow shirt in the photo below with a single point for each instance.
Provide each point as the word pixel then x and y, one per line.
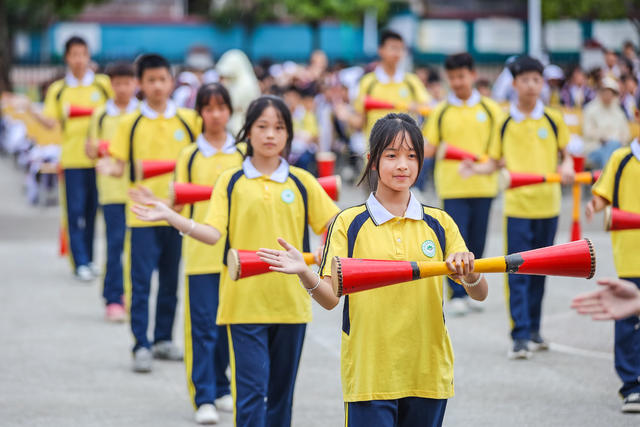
pixel 388 82
pixel 112 191
pixel 80 87
pixel 159 131
pixel 468 121
pixel 531 140
pixel 617 186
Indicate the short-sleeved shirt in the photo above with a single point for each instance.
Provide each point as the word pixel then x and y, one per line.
pixel 618 184
pixel 103 126
pixel 531 144
pixel 395 342
pixel 472 125
pixel 404 87
pixel 253 210
pixel 202 164
pixel 92 91
pixel 147 135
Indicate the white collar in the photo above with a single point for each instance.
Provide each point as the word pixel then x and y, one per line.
pixel 207 150
pixel 113 110
pixel 279 175
pixel 635 148
pixel 473 99
pixel 149 113
pixel 383 78
pixel 518 116
pixel 72 81
pixel 380 215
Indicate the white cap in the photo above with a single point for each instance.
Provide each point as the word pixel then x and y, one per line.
pixel 553 72
pixel 610 83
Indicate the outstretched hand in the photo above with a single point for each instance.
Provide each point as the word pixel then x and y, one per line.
pixel 156 211
pixel 617 300
pixel 142 195
pixel 289 261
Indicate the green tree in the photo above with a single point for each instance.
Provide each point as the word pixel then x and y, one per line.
pixel 25 15
pixel 593 9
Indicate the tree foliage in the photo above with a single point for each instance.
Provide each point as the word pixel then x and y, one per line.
pixel 590 9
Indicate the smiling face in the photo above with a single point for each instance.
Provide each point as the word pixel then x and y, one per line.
pixel 398 166
pixel 268 134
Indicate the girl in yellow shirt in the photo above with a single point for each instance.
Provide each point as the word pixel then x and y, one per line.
pixel 266 315
pixel 395 326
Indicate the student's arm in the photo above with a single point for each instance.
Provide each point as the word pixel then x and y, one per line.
pixel 358 118
pixel 158 211
pixel 291 261
pixel 50 115
pixel 431 132
pixel 469 168
pixel 47 122
pixel 118 152
pixel 91 144
pixel 596 204
pixel 618 299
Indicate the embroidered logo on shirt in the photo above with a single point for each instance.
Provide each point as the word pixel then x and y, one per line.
pixel 481 116
pixel 178 135
pixel 542 133
pixel 95 96
pixel 404 92
pixel 287 196
pixel 429 248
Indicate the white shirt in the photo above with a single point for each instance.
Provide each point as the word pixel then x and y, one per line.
pixel 383 77
pixel 635 148
pixel 208 150
pixel 472 101
pixel 72 81
pixel 380 215
pixel 113 110
pixel 518 116
pixel 279 175
pixel 150 113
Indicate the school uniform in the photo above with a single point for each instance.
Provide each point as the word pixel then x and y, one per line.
pixel 618 184
pixel 112 196
pixel 80 200
pixel 206 349
pixel 530 144
pixel 396 356
pixel 402 87
pixel 147 135
pixel 471 125
pixel 266 315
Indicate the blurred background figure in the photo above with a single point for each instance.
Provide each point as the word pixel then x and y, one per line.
pixel 575 92
pixel 237 75
pixel 198 69
pixel 605 126
pixel 554 79
pixel 611 67
pixel 630 95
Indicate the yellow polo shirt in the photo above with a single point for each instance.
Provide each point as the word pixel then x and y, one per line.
pixel 472 126
pixel 103 126
pixel 406 88
pixel 147 135
pixel 202 164
pixel 261 209
pixel 532 144
pixel 395 342
pixel 93 91
pixel 621 175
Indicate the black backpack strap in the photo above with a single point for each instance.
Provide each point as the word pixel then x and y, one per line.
pixel 306 247
pixel 444 109
pixel 104 91
pixel 101 123
pixel 232 182
pixel 132 167
pixel 192 157
pixel 488 111
pixel 58 98
pixel 503 130
pixel 616 182
pixel 554 127
pixel 187 128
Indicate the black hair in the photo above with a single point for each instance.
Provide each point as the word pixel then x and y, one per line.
pixel 383 134
pixel 150 61
pixel 74 41
pixel 483 83
pixel 458 61
pixel 210 90
pixel 255 110
pixel 525 64
pixel 389 35
pixel 625 77
pixel 120 69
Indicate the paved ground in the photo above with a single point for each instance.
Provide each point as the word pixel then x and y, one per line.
pixel 62 365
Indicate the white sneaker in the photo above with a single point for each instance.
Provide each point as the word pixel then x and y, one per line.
pixel 457 307
pixel 142 360
pixel 166 350
pixel 207 414
pixel 95 270
pixel 474 306
pixel 225 403
pixel 84 274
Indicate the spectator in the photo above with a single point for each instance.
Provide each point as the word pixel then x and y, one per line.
pixel 576 93
pixel 605 127
pixel 554 78
pixel 503 90
pixel 305 127
pixel 434 86
pixel 484 87
pixel 611 67
pixel 197 62
pixel 629 52
pixel 630 95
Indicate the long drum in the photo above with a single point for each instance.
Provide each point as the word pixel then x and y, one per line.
pixel 616 219
pixel 243 263
pixel 573 259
